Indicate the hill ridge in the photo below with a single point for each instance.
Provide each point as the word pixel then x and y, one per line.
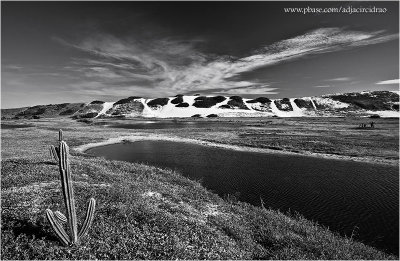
pixel 365 103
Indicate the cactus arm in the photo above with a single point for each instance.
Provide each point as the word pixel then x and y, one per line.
pixel 60 216
pixel 54 153
pixel 68 192
pixel 60 232
pixel 88 219
pixel 60 135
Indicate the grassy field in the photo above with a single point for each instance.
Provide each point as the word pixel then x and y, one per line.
pixel 144 212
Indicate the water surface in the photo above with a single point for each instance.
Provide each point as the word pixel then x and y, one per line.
pixel 348 197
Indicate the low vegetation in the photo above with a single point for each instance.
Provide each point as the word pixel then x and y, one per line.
pixel 303 103
pixel 207 102
pixel 97 102
pixel 129 108
pixel 260 100
pixel 40 111
pixel 378 100
pixel 237 102
pixel 183 105
pixel 144 212
pixel 85 115
pixel 178 99
pixel 283 104
pixel 158 102
pixel 127 100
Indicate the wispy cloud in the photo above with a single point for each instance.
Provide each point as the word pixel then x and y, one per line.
pixel 173 65
pixel 395 81
pixel 339 79
pixel 249 90
pixel 11 67
pixel 322 86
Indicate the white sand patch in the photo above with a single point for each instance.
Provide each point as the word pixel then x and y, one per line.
pixel 275 109
pixel 106 107
pixel 297 112
pixel 189 99
pixel 313 104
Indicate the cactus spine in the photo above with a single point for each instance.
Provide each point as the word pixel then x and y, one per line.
pixel 56 219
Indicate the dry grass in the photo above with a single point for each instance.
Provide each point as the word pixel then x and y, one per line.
pixel 143 212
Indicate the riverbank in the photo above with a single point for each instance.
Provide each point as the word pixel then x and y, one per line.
pixel 143 212
pixel 163 137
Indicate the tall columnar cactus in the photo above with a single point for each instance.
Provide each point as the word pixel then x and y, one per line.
pixel 57 219
pixel 54 151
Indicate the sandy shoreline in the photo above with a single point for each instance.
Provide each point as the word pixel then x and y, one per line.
pixel 161 137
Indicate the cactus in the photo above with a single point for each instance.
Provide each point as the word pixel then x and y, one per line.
pixel 54 151
pixel 60 216
pixel 57 219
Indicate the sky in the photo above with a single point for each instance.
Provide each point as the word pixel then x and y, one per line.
pixel 55 52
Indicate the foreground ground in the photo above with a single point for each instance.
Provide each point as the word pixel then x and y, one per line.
pixel 145 212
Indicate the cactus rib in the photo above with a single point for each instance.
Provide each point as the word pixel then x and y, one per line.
pixel 88 219
pixel 60 232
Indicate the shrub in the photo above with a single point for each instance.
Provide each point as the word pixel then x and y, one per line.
pixel 85 121
pixel 67 112
pixel 212 116
pixel 369 101
pixel 225 106
pixel 260 100
pixel 97 102
pixel 127 100
pixel 62 105
pixel 196 116
pixel 375 116
pixel 284 101
pixel 237 101
pixel 87 115
pixel 236 98
pixel 41 110
pixel 158 102
pixel 183 104
pixel 395 107
pixel 177 100
pixel 207 102
pixel 303 103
